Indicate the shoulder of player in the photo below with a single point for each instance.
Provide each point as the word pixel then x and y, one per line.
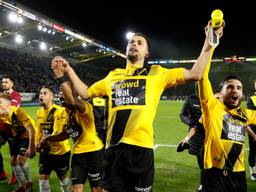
pixel 15 93
pixel 117 71
pixel 58 109
pixel 252 98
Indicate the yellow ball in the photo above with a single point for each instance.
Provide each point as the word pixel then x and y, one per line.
pixel 217 18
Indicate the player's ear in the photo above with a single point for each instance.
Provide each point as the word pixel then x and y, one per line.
pixel 147 55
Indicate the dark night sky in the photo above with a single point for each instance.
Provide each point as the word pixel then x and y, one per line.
pixel 175 28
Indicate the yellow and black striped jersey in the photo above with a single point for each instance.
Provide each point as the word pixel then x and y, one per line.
pixel 81 128
pixel 134 94
pixel 51 122
pixel 224 131
pixel 16 121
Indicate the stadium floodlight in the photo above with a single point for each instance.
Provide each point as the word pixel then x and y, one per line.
pixel 129 35
pixel 40 27
pixel 67 38
pixel 13 17
pixel 53 32
pixel 72 40
pixel 51 48
pixel 18 39
pixel 20 20
pixel 29 42
pixel 44 29
pixel 49 31
pixel 43 46
pixel 84 44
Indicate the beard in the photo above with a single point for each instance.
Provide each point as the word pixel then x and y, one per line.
pixel 232 106
pixel 132 58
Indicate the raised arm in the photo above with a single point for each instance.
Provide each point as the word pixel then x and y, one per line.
pixel 205 88
pixel 60 67
pixel 199 68
pixel 71 96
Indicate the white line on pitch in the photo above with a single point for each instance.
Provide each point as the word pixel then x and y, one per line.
pixel 173 146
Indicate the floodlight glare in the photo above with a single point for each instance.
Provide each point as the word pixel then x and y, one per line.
pixel 39 27
pixel 84 44
pixel 18 39
pixel 43 46
pixel 44 29
pixel 20 20
pixel 129 35
pixel 13 17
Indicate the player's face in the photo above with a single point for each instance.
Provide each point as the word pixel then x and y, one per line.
pixel 4 106
pixel 45 96
pixel 7 84
pixel 232 93
pixel 137 49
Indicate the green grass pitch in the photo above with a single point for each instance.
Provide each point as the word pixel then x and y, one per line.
pixel 174 172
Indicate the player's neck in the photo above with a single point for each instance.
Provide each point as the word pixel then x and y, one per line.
pixel 47 106
pixel 138 63
pixel 9 91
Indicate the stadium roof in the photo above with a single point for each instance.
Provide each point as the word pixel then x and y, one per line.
pixel 26 30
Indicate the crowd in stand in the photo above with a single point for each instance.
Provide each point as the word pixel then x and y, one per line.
pixel 30 72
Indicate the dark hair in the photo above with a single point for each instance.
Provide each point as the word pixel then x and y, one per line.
pixel 145 37
pixel 8 77
pixel 227 78
pixel 50 87
pixel 232 77
pixel 219 87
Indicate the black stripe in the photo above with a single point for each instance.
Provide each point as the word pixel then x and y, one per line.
pixel 122 117
pixel 233 156
pixel 142 71
pixel 98 112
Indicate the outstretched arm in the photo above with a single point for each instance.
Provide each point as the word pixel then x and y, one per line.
pixel 60 66
pixel 56 138
pixel 198 69
pixel 205 88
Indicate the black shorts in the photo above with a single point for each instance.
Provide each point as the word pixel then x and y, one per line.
pixel 108 161
pixel 87 165
pixel 57 163
pixel 19 147
pixel 5 137
pixel 215 181
pixel 132 169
